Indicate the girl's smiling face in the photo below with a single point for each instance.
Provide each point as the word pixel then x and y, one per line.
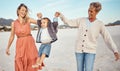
pixel 44 23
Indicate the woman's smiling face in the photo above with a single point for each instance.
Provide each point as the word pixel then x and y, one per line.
pixel 22 12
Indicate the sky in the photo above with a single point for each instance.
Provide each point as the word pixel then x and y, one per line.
pixel 70 8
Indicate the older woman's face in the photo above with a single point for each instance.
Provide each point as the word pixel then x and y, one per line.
pixel 92 12
pixel 22 12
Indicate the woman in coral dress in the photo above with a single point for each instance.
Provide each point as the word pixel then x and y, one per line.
pixel 26 51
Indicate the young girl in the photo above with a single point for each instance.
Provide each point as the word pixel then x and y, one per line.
pixel 46 35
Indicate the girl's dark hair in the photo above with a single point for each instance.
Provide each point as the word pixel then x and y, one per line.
pixel 49 21
pixel 19 7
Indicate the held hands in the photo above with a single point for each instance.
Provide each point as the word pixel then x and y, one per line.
pixel 7 51
pixel 57 14
pixel 39 15
pixel 117 57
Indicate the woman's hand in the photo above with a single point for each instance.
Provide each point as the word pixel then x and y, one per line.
pixel 57 14
pixel 39 15
pixel 7 51
pixel 117 57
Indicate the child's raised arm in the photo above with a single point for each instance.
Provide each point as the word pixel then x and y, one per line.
pixel 55 21
pixel 39 15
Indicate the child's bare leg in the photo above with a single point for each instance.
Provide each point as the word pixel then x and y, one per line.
pixel 39 61
pixel 42 58
pixel 36 64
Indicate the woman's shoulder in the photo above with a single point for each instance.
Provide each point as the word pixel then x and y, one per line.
pixel 82 18
pixel 12 23
pixel 15 22
pixel 99 22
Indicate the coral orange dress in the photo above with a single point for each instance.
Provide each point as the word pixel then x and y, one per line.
pixel 26 51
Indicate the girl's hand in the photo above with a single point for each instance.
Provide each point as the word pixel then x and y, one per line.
pixel 7 51
pixel 57 14
pixel 39 15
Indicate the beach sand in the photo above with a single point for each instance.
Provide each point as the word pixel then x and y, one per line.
pixel 62 56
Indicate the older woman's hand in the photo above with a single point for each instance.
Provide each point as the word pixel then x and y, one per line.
pixel 117 57
pixel 57 14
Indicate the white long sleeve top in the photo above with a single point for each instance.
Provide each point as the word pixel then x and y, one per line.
pixel 88 32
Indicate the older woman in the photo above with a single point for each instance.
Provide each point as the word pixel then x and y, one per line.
pixel 89 29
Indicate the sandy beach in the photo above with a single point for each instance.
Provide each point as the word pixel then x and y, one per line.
pixel 62 57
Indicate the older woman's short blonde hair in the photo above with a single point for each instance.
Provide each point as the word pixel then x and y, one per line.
pixel 96 5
